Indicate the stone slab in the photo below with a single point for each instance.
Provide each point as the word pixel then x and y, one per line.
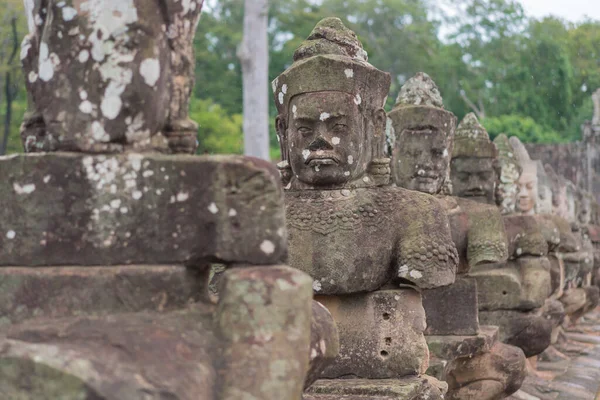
pixel 68 291
pixel 450 347
pixel 409 388
pixel 381 334
pixel 77 209
pixel 443 305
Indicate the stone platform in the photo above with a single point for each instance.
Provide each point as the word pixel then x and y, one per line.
pixel 574 379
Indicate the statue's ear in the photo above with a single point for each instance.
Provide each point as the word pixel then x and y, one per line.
pixel 281 128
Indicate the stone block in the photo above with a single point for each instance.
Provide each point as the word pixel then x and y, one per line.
pixel 452 310
pixel 450 347
pixel 381 334
pixel 255 341
pixel 68 291
pixel 526 330
pixel 522 284
pixel 408 388
pixel 76 209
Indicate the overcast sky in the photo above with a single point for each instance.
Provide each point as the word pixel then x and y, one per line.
pixel 572 10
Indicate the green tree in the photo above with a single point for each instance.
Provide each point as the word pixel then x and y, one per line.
pixel 525 128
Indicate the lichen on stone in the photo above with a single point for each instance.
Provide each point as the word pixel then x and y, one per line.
pixel 420 90
pixel 470 127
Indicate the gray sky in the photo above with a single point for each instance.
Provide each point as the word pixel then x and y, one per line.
pixel 572 10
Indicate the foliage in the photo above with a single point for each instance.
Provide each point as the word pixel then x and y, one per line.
pixel 218 131
pixel 525 128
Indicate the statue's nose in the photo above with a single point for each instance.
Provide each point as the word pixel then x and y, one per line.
pixel 320 143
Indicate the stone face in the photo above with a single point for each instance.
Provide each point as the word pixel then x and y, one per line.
pixel 508 172
pixel 69 291
pixel 134 209
pixel 386 341
pixel 452 310
pixel 527 185
pixel 530 332
pixel 521 285
pixel 91 91
pixel 473 160
pixel 492 375
pixel 525 236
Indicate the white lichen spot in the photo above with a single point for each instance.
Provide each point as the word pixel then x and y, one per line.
pixel 124 210
pixel 147 173
pixel 212 207
pixel 267 247
pixel 335 140
pixel 403 270
pixel 45 67
pixel 280 97
pixel 84 55
pixel 32 76
pixel 347 173
pixel 25 189
pixel 313 354
pixel 232 212
pixel 182 196
pixel 137 194
pixel 11 234
pixel 295 111
pixel 288 186
pixel 324 116
pixel 366 179
pixel 357 100
pixel 445 154
pixel 416 274
pixel 350 160
pixel 83 95
pixel 305 153
pixel 519 251
pixel 86 107
pixel 397 298
pixel 150 71
pixel 98 132
pixel 46 179
pixel 284 89
pixel 68 13
pixel 317 169
pixel 349 73
pixel 24 49
pixel 316 286
pixel 116 203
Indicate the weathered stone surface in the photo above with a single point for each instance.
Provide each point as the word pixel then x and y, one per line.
pixel 530 332
pixel 324 342
pixel 450 347
pixel 139 209
pixel 523 284
pixel 452 310
pixel 573 300
pixel 92 91
pixel 68 291
pixel 491 375
pixel 525 236
pixel 508 170
pixel 381 334
pixel 254 343
pixel 408 388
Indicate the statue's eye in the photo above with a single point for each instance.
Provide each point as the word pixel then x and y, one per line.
pixel 340 127
pixel 304 130
pixel 530 185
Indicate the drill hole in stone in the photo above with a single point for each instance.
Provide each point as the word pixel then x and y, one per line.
pixel 384 353
pixel 504 292
pixel 388 341
pixel 386 316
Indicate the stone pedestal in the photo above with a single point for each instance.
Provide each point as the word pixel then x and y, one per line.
pixel 408 388
pixel 452 310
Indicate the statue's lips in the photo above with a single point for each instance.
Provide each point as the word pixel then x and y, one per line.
pixel 322 160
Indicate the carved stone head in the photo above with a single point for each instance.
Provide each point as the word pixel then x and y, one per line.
pixel 508 172
pixel 559 192
pixel 572 201
pixel 596 101
pixel 584 215
pixel 527 185
pixel 331 122
pixel 472 169
pixel 543 205
pixel 422 136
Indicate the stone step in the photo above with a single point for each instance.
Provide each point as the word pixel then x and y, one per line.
pixel 407 388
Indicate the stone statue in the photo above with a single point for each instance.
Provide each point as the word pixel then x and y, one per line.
pixel 423 137
pixel 473 160
pixel 596 101
pixel 109 76
pixel 527 184
pixel 508 173
pixel 355 235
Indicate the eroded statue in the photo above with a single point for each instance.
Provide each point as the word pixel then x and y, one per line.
pixel 106 76
pixel 358 237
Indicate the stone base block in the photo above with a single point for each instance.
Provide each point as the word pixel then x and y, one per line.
pixel 255 341
pixel 450 347
pixel 409 388
pixel 530 332
pixel 523 284
pixel 442 305
pixel 27 292
pixel 381 334
pixel 79 209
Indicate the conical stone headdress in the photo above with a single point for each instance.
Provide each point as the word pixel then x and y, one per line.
pixel 509 170
pixel 472 140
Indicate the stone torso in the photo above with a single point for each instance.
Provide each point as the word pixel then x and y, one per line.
pixel 358 240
